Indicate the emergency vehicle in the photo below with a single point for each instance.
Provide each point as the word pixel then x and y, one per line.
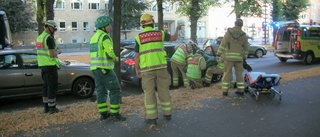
pixel 295 41
pixel 5 34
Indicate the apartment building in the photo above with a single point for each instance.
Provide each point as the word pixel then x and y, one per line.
pixel 312 14
pixel 75 22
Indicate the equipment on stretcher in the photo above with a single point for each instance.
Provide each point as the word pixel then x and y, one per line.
pixel 261 83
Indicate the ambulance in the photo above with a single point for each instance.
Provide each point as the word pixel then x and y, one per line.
pixel 300 42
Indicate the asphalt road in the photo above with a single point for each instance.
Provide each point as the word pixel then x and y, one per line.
pixel 297 115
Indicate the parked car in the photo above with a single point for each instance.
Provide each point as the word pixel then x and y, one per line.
pixel 128 73
pixel 126 42
pixel 21 76
pixel 254 50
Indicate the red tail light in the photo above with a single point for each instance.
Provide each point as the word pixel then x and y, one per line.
pixel 299 32
pixel 130 62
pixel 298 45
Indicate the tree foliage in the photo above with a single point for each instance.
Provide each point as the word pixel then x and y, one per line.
pixel 20 14
pixel 277 12
pixel 131 11
pixel 194 10
pixel 292 8
pixel 247 8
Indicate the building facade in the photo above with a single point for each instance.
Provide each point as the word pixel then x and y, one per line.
pixel 75 22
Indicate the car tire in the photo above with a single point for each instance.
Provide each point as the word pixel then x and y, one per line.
pixel 258 53
pixel 283 59
pixel 83 88
pixel 308 58
pixel 216 78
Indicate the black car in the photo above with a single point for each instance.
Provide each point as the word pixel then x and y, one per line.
pixel 128 73
pixel 126 42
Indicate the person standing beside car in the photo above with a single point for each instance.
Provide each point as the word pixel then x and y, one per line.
pixel 47 52
pixel 102 58
pixel 151 66
pixel 234 48
pixel 179 62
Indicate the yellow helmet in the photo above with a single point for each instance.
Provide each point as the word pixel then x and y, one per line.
pixel 146 19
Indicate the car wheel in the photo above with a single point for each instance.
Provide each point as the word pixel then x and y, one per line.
pixel 308 58
pixel 283 59
pixel 216 77
pixel 258 53
pixel 83 88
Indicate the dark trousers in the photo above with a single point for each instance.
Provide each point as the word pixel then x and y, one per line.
pixel 50 86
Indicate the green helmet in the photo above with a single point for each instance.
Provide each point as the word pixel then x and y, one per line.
pixel 102 21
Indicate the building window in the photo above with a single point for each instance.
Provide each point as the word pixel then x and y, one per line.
pixel 153 8
pixel 167 8
pixel 35 26
pixel 61 41
pixel 106 4
pixel 94 6
pixel 76 4
pixel 138 28
pixel 62 26
pixel 60 4
pixel 313 5
pixel 86 26
pixel 74 41
pixel 85 41
pixel 304 16
pixel 74 26
pixel 313 16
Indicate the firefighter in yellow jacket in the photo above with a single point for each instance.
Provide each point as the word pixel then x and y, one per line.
pixel 179 62
pixel 102 58
pixel 196 64
pixel 151 66
pixel 234 48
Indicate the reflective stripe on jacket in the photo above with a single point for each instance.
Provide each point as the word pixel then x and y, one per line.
pixel 180 55
pixel 194 68
pixel 152 54
pixel 43 53
pixel 99 48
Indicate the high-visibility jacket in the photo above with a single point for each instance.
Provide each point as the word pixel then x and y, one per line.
pixel 152 54
pixel 43 56
pixel 101 51
pixel 180 55
pixel 234 45
pixel 195 65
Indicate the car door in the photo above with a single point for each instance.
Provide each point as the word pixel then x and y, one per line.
pixel 31 73
pixel 11 77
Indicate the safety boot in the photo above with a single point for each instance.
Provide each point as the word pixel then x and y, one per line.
pixel 104 116
pixel 53 110
pixel 167 117
pixel 205 84
pixel 117 117
pixel 224 94
pixel 239 93
pixel 46 107
pixel 151 121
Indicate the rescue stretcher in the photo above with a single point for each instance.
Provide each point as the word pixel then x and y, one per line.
pixel 257 83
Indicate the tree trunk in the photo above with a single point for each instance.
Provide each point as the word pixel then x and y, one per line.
pixel 40 15
pixel 236 3
pixel 194 19
pixel 160 14
pixel 116 35
pixel 49 10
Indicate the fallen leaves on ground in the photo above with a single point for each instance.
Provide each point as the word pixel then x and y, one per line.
pixel 33 121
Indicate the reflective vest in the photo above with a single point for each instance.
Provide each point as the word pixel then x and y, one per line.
pixel 194 68
pixel 43 56
pixel 180 55
pixel 98 56
pixel 152 54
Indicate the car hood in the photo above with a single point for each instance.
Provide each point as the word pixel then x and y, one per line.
pixel 75 63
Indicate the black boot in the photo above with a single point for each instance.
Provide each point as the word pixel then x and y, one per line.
pixel 117 117
pixel 167 117
pixel 46 107
pixel 104 116
pixel 151 121
pixel 53 109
